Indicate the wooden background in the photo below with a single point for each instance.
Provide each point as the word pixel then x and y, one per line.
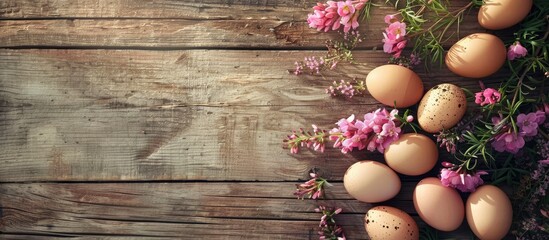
pixel 165 119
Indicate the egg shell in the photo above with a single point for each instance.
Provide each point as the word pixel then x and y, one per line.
pixel 389 223
pixel 439 206
pixel 500 14
pixel 489 213
pixel 477 55
pixel 412 154
pixel 393 83
pixel 441 107
pixel 371 182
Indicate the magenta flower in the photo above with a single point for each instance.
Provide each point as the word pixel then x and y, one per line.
pixel 516 51
pixel 488 96
pixel 464 182
pixel 528 124
pixel 508 141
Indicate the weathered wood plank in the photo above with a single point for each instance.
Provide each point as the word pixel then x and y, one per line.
pixel 164 210
pixel 240 25
pixel 170 115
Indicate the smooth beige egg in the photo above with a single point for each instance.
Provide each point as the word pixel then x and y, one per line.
pixel 371 182
pixel 389 223
pixel 442 107
pixel 439 206
pixel 500 14
pixel 393 83
pixel 489 213
pixel 477 55
pixel 412 154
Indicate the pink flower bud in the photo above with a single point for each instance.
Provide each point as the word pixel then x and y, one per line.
pixel 447 164
pixel 410 118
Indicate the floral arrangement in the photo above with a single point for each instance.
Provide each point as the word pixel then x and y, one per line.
pixel 502 140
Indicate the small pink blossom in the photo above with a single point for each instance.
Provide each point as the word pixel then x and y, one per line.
pixel 345 8
pixel 508 141
pixel 488 96
pixel 313 188
pixel 460 180
pixel 391 18
pixel 393 37
pixel 528 123
pixel 328 226
pixel 410 119
pixel 516 51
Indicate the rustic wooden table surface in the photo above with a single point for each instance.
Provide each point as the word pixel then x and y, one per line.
pixel 165 119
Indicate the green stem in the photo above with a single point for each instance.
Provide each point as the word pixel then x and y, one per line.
pixel 434 25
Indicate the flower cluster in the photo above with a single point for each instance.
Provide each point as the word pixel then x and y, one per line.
pixel 313 188
pixel 346 89
pixel 328 227
pixel 315 140
pixel 488 96
pixel 516 51
pixel 378 129
pixel 312 64
pixel 457 177
pixel 332 15
pixel 509 140
pixel 394 40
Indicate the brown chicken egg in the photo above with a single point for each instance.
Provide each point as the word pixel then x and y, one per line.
pixel 412 154
pixel 500 14
pixel 371 182
pixel 442 107
pixel 477 55
pixel 439 206
pixel 489 213
pixel 393 83
pixel 389 223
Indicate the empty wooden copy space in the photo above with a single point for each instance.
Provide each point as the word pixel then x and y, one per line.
pixel 164 119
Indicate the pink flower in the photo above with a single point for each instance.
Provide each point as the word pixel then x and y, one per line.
pixel 509 141
pixel 464 182
pixel 516 51
pixel 528 124
pixel 391 18
pixel 410 118
pixel 345 8
pixel 332 15
pixel 393 37
pixel 313 188
pixel 488 96
pixel 396 30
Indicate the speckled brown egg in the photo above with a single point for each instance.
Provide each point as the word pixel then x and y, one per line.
pixel 390 84
pixel 500 14
pixel 389 223
pixel 441 107
pixel 477 55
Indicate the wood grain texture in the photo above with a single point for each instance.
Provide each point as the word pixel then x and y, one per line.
pixel 225 24
pixel 175 115
pixel 175 210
